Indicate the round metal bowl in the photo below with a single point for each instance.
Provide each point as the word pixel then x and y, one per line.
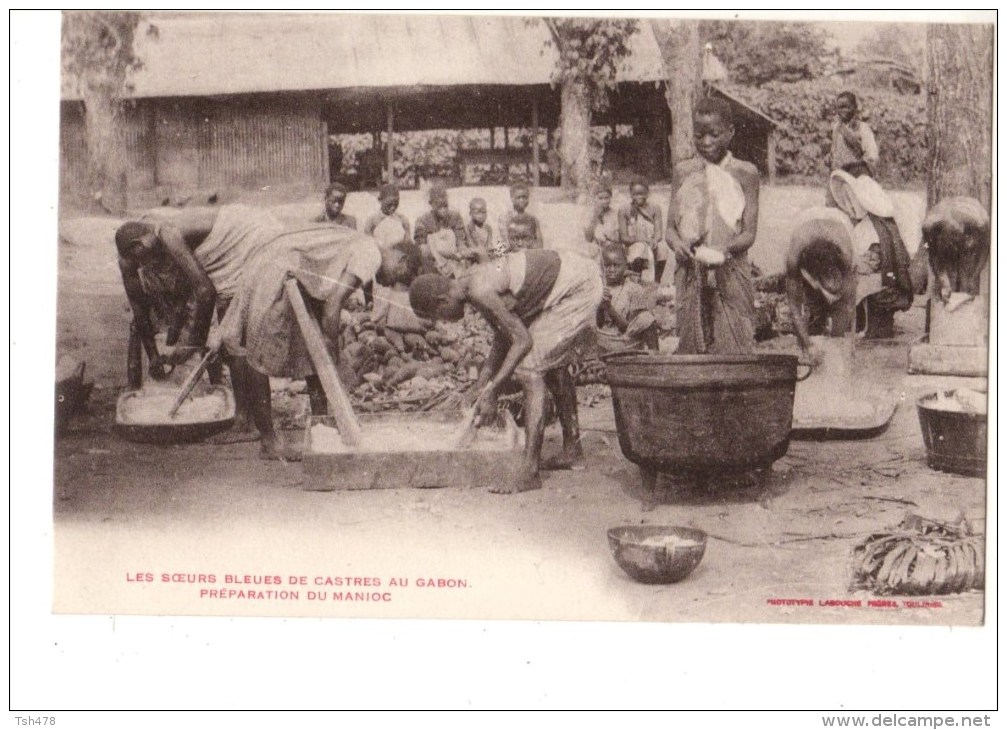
pixel 171 432
pixel 656 554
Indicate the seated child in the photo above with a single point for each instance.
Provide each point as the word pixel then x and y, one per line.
pixel 440 234
pixel 520 230
pixel 640 222
pixel 603 226
pixel 389 226
pixel 483 245
pixel 625 319
pixel 715 205
pixel 335 200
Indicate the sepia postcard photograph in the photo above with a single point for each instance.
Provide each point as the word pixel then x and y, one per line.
pixel 502 317
pixel 657 345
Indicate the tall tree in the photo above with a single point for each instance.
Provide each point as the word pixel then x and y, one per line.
pixel 98 55
pixel 960 111
pixel 904 43
pixel 679 44
pixel 590 51
pixel 755 53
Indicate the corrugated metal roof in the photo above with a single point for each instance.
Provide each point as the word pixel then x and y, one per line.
pixel 735 96
pixel 231 53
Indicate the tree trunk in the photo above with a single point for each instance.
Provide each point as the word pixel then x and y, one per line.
pixel 575 139
pixel 960 129
pixel 103 120
pixel 679 44
pixel 960 112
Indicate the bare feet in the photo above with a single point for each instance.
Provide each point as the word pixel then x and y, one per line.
pixel 524 483
pixel 240 433
pixel 564 460
pixel 272 450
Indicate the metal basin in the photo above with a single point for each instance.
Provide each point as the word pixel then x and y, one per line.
pixel 702 415
pixel 654 554
pixel 173 432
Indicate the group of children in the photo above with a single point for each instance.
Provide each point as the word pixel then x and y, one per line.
pixel 710 225
pixel 713 210
pixel 448 243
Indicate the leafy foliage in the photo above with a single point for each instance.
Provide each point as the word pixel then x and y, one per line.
pixel 904 43
pixel 590 51
pixel 806 113
pixel 757 53
pixel 98 49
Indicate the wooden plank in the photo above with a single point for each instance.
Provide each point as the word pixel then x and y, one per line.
pixel 936 359
pixel 458 468
pixel 339 401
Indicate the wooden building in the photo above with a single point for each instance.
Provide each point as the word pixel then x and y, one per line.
pixel 249 100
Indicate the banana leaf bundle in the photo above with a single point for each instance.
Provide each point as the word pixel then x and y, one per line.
pixel 920 557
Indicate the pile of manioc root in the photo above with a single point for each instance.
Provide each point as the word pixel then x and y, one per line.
pixel 424 367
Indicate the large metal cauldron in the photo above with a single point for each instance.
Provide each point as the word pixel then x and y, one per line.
pixel 702 416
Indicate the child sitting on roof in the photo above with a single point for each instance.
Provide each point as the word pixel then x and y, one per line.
pixel 518 229
pixel 440 234
pixel 625 319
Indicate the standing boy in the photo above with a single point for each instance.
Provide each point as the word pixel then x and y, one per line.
pixel 520 230
pixel 715 204
pixel 640 223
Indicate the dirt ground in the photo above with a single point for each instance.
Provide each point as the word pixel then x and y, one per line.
pixel 123 510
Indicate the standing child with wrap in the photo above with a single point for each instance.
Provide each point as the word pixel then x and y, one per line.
pixel 712 219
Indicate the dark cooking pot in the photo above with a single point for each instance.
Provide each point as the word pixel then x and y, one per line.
pixel 702 415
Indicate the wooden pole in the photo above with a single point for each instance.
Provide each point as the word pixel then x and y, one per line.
pixel 771 156
pixel 339 401
pixel 390 146
pixel 493 144
pixel 534 142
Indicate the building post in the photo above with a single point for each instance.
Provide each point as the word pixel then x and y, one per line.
pixel 390 146
pixel 771 155
pixel 534 142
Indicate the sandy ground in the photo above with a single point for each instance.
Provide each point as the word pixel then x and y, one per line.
pixel 123 510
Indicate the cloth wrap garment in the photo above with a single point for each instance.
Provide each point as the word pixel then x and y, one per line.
pixel 631 301
pixel 237 234
pixel 557 294
pixel 715 307
pixel 260 324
